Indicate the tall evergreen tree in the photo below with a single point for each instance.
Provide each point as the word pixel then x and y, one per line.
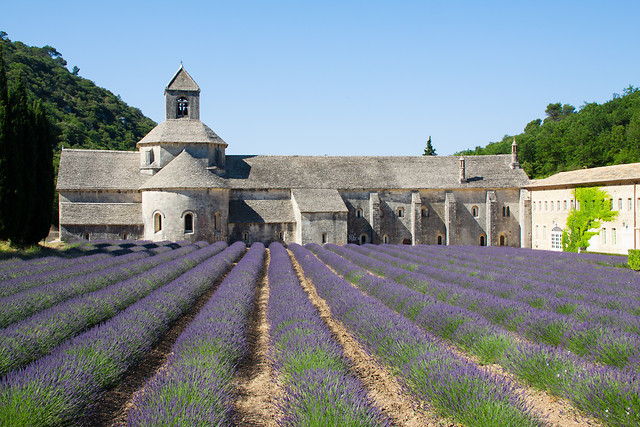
pixel 429 150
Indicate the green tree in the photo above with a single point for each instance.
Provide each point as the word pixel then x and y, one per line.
pixel 429 150
pixel 593 206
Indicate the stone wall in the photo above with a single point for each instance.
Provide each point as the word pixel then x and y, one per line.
pixel 69 233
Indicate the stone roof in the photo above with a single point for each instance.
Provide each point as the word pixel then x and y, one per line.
pixel 260 211
pixel 593 176
pixel 371 172
pixel 318 200
pixel 100 170
pixel 181 131
pixel 184 171
pixel 101 213
pixel 181 80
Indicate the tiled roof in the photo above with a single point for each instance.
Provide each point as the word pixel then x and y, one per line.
pixel 101 213
pixel 319 200
pixel 593 176
pixel 181 131
pixel 100 170
pixel 260 211
pixel 360 172
pixel 184 171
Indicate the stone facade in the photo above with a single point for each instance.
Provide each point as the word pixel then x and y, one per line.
pixel 181 185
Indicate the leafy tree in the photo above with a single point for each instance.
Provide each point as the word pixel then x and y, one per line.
pixel 593 206
pixel 429 150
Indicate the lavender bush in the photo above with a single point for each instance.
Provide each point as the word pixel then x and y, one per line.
pixel 318 388
pixel 34 337
pixel 195 387
pixel 60 388
pixel 457 388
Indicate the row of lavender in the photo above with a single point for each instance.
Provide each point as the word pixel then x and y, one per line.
pixel 194 387
pixel 572 272
pixel 611 394
pixel 318 388
pixel 60 387
pixel 16 267
pixel 34 336
pixel 456 387
pixel 602 336
pixel 619 313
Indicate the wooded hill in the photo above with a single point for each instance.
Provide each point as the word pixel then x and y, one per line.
pixel 596 135
pixel 82 114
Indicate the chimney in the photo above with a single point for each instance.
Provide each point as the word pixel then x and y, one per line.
pixel 463 177
pixel 514 155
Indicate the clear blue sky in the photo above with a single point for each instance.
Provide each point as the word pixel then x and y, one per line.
pixel 347 77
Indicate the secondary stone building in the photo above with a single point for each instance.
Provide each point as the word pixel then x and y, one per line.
pixel 181 185
pixel 552 199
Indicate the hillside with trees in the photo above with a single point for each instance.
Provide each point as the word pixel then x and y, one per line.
pixel 567 139
pixel 82 115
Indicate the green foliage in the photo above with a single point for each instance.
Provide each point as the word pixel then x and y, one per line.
pixel 81 115
pixel 593 205
pixel 597 135
pixel 26 165
pixel 634 259
pixel 429 150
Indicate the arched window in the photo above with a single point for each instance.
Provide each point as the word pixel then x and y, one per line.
pixel 157 222
pixel 125 236
pixel 358 213
pixel 503 240
pixel 439 240
pixel 474 211
pixel 509 209
pixel 425 212
pixel 188 223
pixel 183 107
pixel 245 236
pixel 400 212
pixel 363 239
pixel 385 239
pixel 324 238
pixel 86 236
pixel 483 240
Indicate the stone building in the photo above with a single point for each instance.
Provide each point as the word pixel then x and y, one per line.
pixel 181 185
pixel 552 200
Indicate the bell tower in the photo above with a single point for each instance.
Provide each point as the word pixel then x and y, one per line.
pixel 182 97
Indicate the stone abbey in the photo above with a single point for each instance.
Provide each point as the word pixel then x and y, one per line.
pixel 181 185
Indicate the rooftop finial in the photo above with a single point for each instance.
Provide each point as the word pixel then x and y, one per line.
pixel 514 155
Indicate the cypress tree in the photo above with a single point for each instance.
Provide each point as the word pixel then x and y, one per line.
pixel 5 129
pixel 40 219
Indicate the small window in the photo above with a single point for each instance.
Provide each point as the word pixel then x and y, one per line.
pixel 533 206
pixel 157 222
pixel 281 236
pixel 474 212
pixel 124 236
pixel 85 236
pixel 537 231
pixel 188 223
pixel 245 236
pixel 572 203
pixel 358 213
pixel 544 232
pixel 603 235
pixel 551 207
pixel 439 240
pixel 619 204
pixel 503 240
pixel 385 239
pixel 545 206
pixel 614 237
pixel 400 212
pixel 509 209
pixel 216 221
pixel 183 107
pixel 630 204
pixel 558 206
pixel 425 212
pixel 363 239
pixel 483 240
pixel 504 211
pixel 324 238
pixel 564 205
pixel 149 157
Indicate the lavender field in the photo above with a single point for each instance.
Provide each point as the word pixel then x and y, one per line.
pixel 119 333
